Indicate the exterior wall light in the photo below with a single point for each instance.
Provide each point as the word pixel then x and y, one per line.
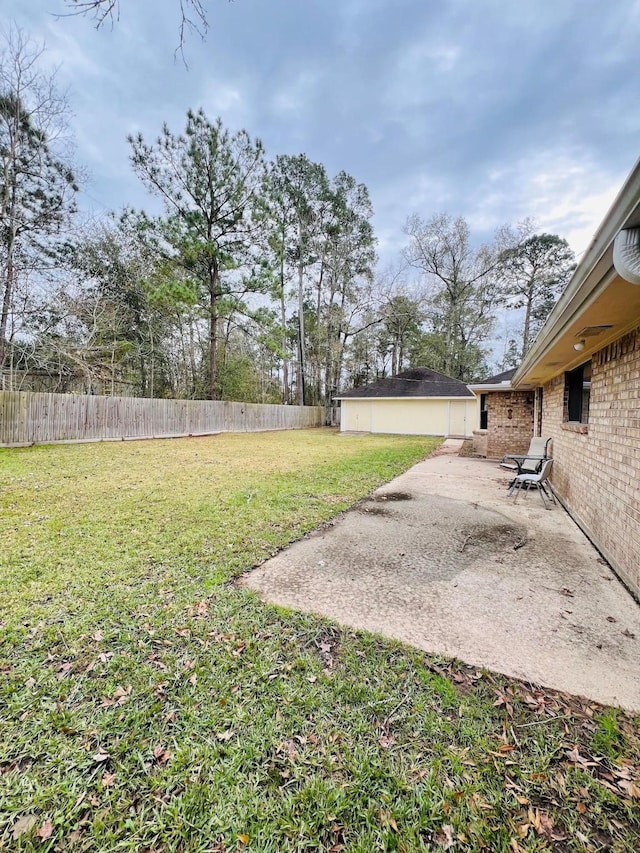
pixel 579 346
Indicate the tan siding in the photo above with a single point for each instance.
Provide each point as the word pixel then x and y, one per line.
pixel 355 416
pixel 461 417
pixel 409 417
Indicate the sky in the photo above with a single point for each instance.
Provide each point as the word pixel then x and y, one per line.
pixel 494 110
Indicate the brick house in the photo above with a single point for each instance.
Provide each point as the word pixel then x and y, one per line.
pixel 580 385
pixel 506 416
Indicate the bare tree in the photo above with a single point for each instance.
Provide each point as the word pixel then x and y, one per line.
pixel 465 287
pixel 193 15
pixel 37 184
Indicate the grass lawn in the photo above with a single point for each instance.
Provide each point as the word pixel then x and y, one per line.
pixel 148 705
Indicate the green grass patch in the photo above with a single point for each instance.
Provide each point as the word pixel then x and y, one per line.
pixel 148 704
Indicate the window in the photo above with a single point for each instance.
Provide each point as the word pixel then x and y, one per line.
pixel 484 414
pixel 577 393
pixel 538 405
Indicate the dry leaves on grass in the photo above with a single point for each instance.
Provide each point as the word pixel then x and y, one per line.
pixel 161 754
pixel 23 825
pixel 120 696
pixel 101 756
pixel 46 830
pixel 445 837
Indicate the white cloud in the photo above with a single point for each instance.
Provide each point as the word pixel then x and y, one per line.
pixel 565 192
pixel 75 59
pixel 294 97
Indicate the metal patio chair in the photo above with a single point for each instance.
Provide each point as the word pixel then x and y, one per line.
pixel 539 481
pixel 530 462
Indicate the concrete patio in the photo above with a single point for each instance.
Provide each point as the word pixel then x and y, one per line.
pixel 442 558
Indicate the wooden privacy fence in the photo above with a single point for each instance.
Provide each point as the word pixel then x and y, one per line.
pixel 33 418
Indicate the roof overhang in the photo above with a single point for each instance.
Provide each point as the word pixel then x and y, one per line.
pixel 371 399
pixel 483 389
pixel 597 306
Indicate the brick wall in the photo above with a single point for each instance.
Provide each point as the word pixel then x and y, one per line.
pixel 597 470
pixel 509 422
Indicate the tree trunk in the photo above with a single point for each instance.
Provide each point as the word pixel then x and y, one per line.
pixel 526 332
pixel 213 332
pixel 9 278
pixel 283 322
pixel 152 363
pixel 6 304
pixel 192 359
pixel 301 359
pixel 318 383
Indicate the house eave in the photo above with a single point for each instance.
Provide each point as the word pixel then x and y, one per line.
pixel 460 397
pixel 483 389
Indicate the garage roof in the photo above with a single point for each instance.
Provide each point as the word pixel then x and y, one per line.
pixel 505 376
pixel 499 382
pixel 417 382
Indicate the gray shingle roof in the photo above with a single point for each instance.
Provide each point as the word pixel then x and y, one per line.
pixel 505 376
pixel 417 382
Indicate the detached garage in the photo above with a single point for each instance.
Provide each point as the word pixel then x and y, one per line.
pixel 415 402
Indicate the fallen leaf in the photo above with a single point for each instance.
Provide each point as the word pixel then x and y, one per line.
pixel 622 772
pixel 630 788
pixel 46 830
pixel 243 839
pixel 194 679
pixel 202 609
pixel 121 694
pixel 546 825
pixel 574 755
pixel 23 825
pixel 629 634
pixel 161 754
pixel 226 735
pixel 98 636
pixel 611 619
pixel 101 756
pixel 445 838
pixel 312 679
pixel 386 741
pixel 108 780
